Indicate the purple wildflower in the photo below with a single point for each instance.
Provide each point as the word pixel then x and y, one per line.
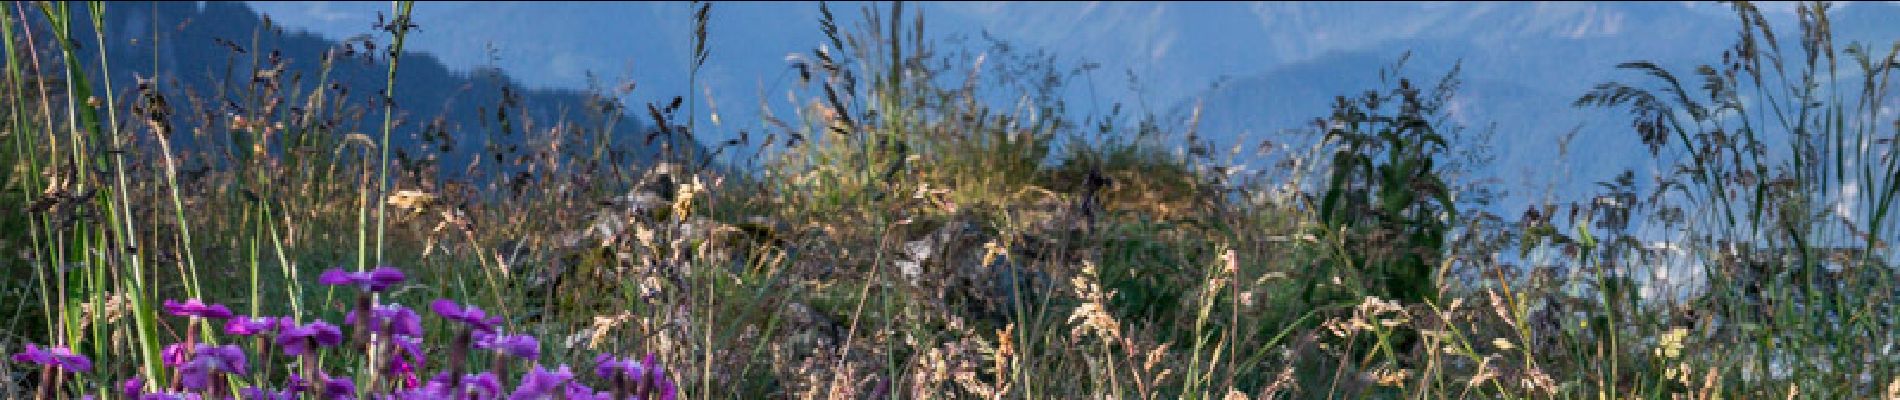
pixel 132 387
pixel 662 388
pixel 405 372
pixel 297 340
pixel 470 315
pixel 169 396
pixel 483 386
pixel 197 309
pixel 339 388
pixel 577 391
pixel 645 378
pixel 209 361
pixel 541 383
pixel 296 384
pixel 260 393
pixel 376 280
pixel 410 345
pixel 173 355
pixel 486 383
pixel 417 394
pixel 54 357
pixel 607 367
pixel 517 346
pixel 393 319
pixel 405 367
pixel 248 325
pixel 409 394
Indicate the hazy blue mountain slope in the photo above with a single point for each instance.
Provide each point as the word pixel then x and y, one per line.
pixel 1523 64
pixel 1278 64
pixel 190 54
pixel 576 45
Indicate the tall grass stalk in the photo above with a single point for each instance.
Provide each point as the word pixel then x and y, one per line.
pixel 1796 261
pixel 398 28
pixel 144 329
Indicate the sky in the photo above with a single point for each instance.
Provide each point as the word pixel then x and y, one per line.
pixel 560 41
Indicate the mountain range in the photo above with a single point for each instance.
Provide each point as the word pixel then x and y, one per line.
pixel 203 52
pixel 1254 69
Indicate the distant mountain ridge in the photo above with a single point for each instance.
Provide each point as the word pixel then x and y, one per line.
pixel 1255 67
pixel 199 47
pixel 1522 66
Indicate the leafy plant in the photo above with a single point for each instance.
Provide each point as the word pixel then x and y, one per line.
pixel 1386 204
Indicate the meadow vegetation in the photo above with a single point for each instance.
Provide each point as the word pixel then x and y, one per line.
pixel 902 235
